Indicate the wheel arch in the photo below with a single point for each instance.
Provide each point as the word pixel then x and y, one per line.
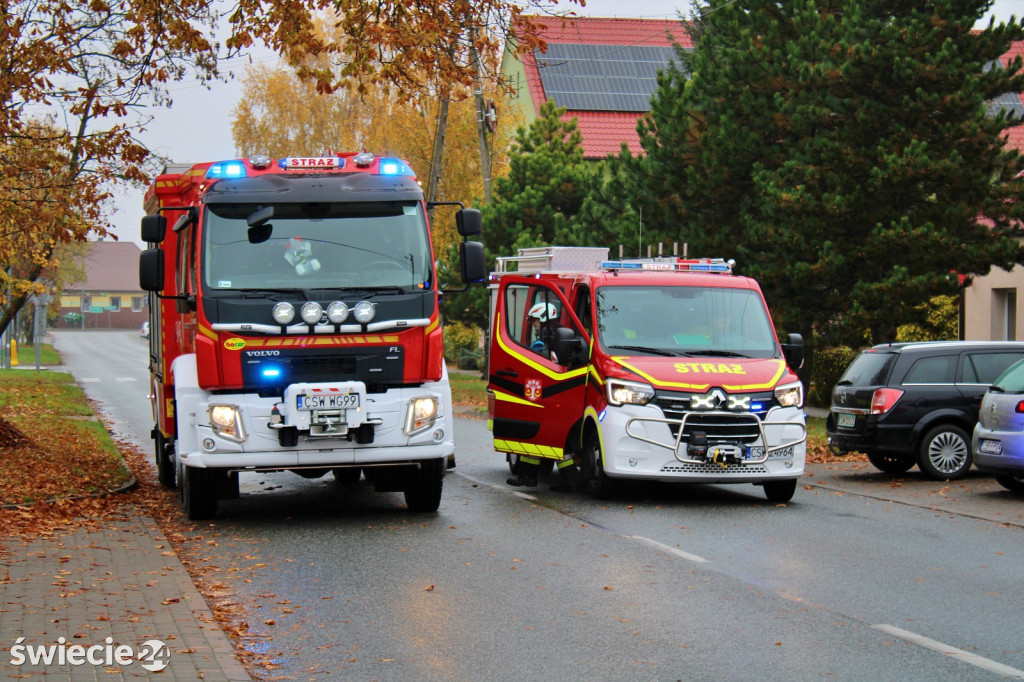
pixel 940 418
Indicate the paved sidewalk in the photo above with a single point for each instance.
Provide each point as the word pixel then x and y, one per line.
pixel 121 586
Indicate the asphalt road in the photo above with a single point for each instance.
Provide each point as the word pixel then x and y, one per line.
pixel 860 577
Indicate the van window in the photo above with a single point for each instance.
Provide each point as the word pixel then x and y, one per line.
pixel 935 370
pixel 983 368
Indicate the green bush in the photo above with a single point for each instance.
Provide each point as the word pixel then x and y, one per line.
pixel 829 365
pixel 462 346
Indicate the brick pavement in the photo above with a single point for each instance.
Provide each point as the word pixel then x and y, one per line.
pixel 122 582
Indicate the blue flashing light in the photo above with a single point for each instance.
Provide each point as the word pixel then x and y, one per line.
pixel 757 407
pixel 601 416
pixel 271 372
pixel 226 169
pixel 389 166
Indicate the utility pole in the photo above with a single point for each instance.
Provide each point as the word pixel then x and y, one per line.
pixel 481 123
pixel 437 154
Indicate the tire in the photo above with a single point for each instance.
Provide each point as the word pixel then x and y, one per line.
pixel 1012 483
pixel 780 491
pixel 165 464
pixel 597 483
pixel 945 453
pixel 346 475
pixel 424 491
pixel 199 493
pixel 891 463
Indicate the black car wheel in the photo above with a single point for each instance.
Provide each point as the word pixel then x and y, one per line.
pixel 945 453
pixel 780 491
pixel 1014 483
pixel 890 463
pixel 598 485
pixel 165 464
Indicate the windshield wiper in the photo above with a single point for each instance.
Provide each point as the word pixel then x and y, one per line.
pixel 713 354
pixel 645 349
pixel 372 290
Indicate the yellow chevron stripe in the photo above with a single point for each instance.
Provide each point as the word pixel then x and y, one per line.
pixel 505 397
pixel 528 449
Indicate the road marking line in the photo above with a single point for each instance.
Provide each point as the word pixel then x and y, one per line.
pixel 965 656
pixel 666 548
pixel 500 488
pixel 124 379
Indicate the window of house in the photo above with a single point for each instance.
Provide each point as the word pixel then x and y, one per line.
pixel 137 302
pixel 115 303
pixel 1004 314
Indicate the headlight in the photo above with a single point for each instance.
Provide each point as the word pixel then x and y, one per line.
pixel 790 395
pixel 363 311
pixel 284 312
pixel 311 312
pixel 421 414
pixel 337 312
pixel 628 392
pixel 226 421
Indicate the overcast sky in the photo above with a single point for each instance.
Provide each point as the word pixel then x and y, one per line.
pixel 198 126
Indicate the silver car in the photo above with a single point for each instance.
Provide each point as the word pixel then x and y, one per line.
pixel 998 441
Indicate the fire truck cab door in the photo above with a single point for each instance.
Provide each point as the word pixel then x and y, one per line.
pixel 537 396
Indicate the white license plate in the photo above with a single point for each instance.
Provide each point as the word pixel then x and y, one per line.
pixel 991 447
pixel 847 421
pixel 756 452
pixel 328 401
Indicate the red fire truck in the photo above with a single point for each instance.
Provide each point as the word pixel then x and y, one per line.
pixel 661 369
pixel 294 325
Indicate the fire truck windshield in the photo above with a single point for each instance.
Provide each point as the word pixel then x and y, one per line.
pixel 677 320
pixel 315 246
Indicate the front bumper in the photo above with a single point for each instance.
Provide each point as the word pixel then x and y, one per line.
pixel 637 442
pixel 386 413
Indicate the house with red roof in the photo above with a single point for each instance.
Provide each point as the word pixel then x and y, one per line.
pixel 602 70
pixel 110 297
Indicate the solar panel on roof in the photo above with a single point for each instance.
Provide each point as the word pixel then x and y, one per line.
pixel 602 77
pixel 1008 100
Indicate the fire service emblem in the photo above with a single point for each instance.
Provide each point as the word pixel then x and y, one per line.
pixel 533 390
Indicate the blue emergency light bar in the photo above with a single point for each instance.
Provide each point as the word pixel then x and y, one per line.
pixel 672 265
pixel 364 160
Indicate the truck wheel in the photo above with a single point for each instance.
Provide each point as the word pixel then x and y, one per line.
pixel 1012 483
pixel 199 493
pixel 346 475
pixel 599 486
pixel 780 491
pixel 424 491
pixel 945 453
pixel 165 465
pixel 890 463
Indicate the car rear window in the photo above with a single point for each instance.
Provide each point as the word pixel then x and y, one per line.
pixel 1012 380
pixel 868 369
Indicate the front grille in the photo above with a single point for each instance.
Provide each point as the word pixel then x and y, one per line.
pixel 712 468
pixel 718 425
pixel 305 369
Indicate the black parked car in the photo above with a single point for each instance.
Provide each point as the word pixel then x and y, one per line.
pixel 916 403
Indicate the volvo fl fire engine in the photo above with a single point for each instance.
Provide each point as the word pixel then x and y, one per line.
pixel 294 325
pixel 661 369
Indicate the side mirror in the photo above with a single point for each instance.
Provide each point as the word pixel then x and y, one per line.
pixel 153 228
pixel 151 270
pixel 469 222
pixel 793 350
pixel 472 262
pixel 570 348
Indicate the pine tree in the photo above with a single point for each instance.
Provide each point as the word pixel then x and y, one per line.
pixel 842 151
